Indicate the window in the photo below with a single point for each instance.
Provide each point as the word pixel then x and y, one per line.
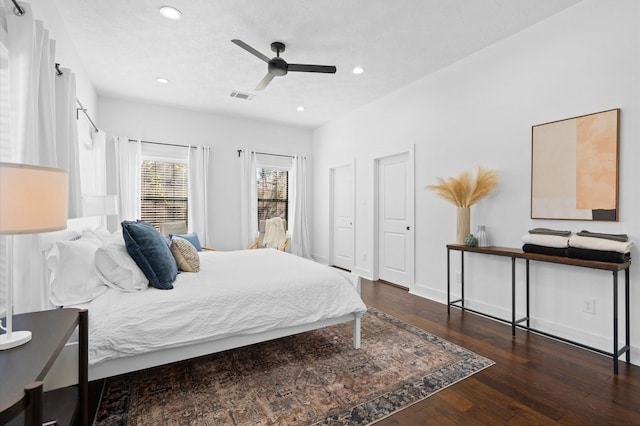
pixel 273 193
pixel 163 191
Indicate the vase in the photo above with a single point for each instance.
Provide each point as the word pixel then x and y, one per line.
pixel 463 224
pixel 481 237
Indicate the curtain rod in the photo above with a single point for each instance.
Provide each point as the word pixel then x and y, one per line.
pixel 18 10
pixel 163 143
pixel 82 108
pixel 266 153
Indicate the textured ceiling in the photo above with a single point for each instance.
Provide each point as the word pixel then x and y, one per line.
pixel 125 45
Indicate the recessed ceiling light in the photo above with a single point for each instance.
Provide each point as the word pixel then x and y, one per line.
pixel 300 108
pixel 162 80
pixel 358 70
pixel 171 13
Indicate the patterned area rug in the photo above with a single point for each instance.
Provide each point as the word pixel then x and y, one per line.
pixel 314 378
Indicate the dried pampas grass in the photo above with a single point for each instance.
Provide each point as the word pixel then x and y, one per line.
pixel 462 191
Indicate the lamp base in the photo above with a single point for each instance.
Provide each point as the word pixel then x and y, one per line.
pixel 17 338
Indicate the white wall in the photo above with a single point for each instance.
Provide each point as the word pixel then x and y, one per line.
pixel 224 134
pixel 479 111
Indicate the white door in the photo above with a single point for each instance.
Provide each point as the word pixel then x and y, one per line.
pixel 342 217
pixel 395 219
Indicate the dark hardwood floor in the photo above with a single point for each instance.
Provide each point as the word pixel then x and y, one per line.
pixel 535 380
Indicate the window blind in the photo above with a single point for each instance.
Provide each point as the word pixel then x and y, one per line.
pixel 163 191
pixel 273 193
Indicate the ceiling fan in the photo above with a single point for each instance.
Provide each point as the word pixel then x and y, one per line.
pixel 277 66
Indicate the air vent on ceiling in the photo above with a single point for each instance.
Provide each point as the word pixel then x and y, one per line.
pixel 240 95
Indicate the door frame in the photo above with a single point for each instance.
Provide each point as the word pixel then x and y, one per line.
pixel 332 169
pixel 375 217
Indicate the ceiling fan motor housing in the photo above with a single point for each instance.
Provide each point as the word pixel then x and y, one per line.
pixel 278 67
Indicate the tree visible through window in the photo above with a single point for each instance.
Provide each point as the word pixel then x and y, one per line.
pixel 163 192
pixel 273 193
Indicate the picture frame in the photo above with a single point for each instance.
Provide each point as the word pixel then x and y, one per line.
pixel 574 168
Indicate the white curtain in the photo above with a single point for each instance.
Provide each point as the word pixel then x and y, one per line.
pixel 248 198
pixel 199 161
pixel 128 158
pixel 92 158
pixel 32 116
pixel 67 147
pixel 300 244
pixel 32 84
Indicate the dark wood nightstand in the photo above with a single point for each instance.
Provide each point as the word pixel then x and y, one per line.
pixel 23 369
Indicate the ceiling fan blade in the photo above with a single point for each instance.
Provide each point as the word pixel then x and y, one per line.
pixel 313 68
pixel 251 50
pixel 265 81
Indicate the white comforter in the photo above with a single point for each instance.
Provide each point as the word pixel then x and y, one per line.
pixel 239 292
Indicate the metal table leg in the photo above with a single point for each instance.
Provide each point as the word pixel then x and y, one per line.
pixel 626 313
pixel 448 281
pixel 615 322
pixel 513 297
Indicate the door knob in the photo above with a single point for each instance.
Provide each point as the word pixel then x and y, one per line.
pixel 408 228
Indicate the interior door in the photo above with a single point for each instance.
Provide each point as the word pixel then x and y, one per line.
pixel 395 219
pixel 342 196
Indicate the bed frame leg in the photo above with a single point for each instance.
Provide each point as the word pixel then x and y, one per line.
pixel 356 333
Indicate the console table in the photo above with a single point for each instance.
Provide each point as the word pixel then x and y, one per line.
pixel 23 369
pixel 514 254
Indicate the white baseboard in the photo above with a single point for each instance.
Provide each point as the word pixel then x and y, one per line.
pixel 585 337
pixel 364 273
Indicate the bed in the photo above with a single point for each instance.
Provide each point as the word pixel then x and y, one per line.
pixel 237 298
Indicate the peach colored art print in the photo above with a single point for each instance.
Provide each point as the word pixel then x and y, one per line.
pixel 574 168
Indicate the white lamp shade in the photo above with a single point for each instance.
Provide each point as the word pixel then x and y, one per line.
pixel 33 199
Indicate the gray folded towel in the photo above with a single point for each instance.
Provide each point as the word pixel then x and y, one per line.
pixel 623 238
pixel 547 231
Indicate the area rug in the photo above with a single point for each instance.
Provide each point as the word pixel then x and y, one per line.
pixel 314 378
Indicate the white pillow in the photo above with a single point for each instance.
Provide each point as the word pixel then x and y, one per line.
pixel 116 268
pixel 73 279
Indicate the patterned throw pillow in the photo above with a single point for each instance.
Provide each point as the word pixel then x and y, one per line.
pixel 185 254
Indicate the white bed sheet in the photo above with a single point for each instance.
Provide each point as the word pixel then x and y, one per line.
pixel 238 292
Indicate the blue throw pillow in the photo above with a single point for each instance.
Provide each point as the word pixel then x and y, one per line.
pixel 192 238
pixel 149 250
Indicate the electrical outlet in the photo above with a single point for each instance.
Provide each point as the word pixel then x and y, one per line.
pixel 458 277
pixel 589 306
pixel 364 257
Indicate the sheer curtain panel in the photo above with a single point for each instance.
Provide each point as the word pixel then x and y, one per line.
pixel 199 162
pixel 128 157
pixel 67 148
pixel 248 198
pixel 32 88
pixel 300 244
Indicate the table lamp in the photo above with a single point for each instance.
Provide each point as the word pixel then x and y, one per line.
pixel 33 199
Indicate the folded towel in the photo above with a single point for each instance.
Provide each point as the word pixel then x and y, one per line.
pixel 556 241
pixel 599 255
pixel 578 241
pixel 623 238
pixel 532 248
pixel 547 231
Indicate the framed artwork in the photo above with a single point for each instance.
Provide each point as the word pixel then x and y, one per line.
pixel 574 168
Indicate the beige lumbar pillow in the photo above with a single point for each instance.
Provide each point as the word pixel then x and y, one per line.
pixel 185 254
